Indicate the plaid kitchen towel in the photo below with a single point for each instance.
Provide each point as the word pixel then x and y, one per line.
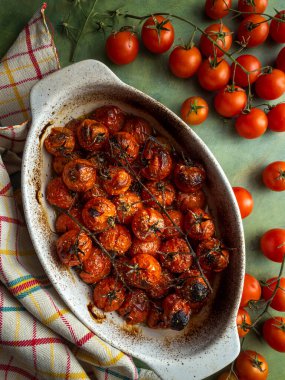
pixel 39 337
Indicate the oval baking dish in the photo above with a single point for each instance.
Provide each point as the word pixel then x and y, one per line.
pixel 211 341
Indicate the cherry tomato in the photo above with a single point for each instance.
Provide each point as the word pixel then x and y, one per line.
pixel 92 135
pixel 243 322
pixel 175 256
pixel 116 239
pixel 170 225
pixel 189 201
pixel 150 247
pixel 58 194
pixel 98 214
pixel 280 62
pixel 155 318
pixel 109 294
pixel 273 244
pixel 139 128
pixel 144 271
pixel 194 289
pixel 64 223
pixel 219 33
pixel 127 204
pixel 251 64
pixel 276 118
pixel 230 101
pixel 135 307
pixel 270 85
pixel 214 74
pixel 161 289
pixel 59 162
pixel 189 176
pixel 251 366
pixel 199 225
pixel 184 62
pixel 216 9
pixel 278 302
pixel 122 47
pixel 158 161
pixel 79 175
pixel 253 30
pixel 244 200
pixel 124 147
pixel 96 191
pixel 274 176
pixel 157 34
pixel 115 180
pixel 194 110
pixel 251 290
pixel 176 312
pixel 96 267
pixel 257 6
pixel 273 332
pixel 163 192
pixel 147 224
pixel 212 255
pixel 111 116
pixel 252 124
pixel 277 28
pixel 60 141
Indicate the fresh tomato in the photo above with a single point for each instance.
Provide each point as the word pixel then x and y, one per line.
pixel 253 30
pixel 216 9
pixel 251 64
pixel 274 333
pixel 270 85
pixel 252 124
pixel 157 34
pixel 214 74
pixel 244 200
pixel 251 290
pixel 243 322
pixel 230 101
pixel 122 47
pixel 184 62
pixel 274 176
pixel 251 366
pixel 219 33
pixel 277 28
pixel 276 118
pixel 273 244
pixel 278 302
pixel 257 6
pixel 280 62
pixel 194 110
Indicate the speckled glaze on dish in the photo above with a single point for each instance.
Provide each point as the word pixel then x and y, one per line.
pixel 207 345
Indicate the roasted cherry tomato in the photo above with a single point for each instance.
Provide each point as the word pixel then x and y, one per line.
pixel 162 192
pixel 184 61
pixel 117 239
pixel 124 147
pixel 214 73
pixel 155 318
pixel 144 271
pixel 73 247
pixel 216 9
pixel 280 62
pixel 92 135
pixel 243 322
pixel 79 175
pixel 60 141
pixel 219 33
pixel 135 307
pixel 115 180
pixel 58 194
pixel 277 28
pixel 150 247
pixel 175 255
pixel 176 312
pixel 109 294
pixel 98 214
pixel 161 289
pixel 257 6
pixel 251 124
pixel 127 204
pixel 59 162
pixel 139 128
pixel 274 176
pixel 251 64
pixel 122 47
pixel 96 191
pixel 213 255
pixel 111 116
pixel 157 161
pixel 189 201
pixel 147 224
pixel 273 244
pixel 189 177
pixel 194 289
pixel 270 85
pixel 199 225
pixel 250 365
pixel 157 34
pixel 65 223
pixel 96 267
pixel 274 333
pixel 253 30
pixel 278 302
pixel 194 110
pixel 276 118
pixel 173 223
pixel 230 101
pixel 251 290
pixel 244 200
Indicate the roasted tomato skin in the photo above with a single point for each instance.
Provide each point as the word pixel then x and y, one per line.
pixel 60 141
pixel 117 239
pixel 109 294
pixel 79 175
pixel 147 224
pixel 162 288
pixel 64 223
pixel 96 267
pixel 111 116
pixel 172 229
pixel 73 247
pixel 139 128
pixel 176 312
pixel 98 214
pixel 116 180
pixel 59 162
pixel 175 255
pixel 149 247
pixel 199 225
pixel 127 204
pixel 190 201
pixel 194 289
pixel 144 271
pixel 58 194
pixel 124 147
pixel 96 191
pixel 135 307
pixel 162 191
pixel 155 318
pixel 189 178
pixel 92 135
pixel 213 255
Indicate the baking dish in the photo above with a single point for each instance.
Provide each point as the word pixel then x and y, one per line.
pixel 211 341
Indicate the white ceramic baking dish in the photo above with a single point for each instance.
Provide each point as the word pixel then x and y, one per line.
pixel 211 342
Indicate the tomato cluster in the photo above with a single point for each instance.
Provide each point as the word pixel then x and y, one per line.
pixel 130 209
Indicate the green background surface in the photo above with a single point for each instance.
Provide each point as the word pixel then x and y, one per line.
pixel 242 160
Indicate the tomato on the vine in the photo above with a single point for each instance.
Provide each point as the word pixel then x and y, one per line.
pixel 244 200
pixel 216 9
pixel 276 118
pixel 270 85
pixel 157 34
pixel 253 30
pixel 278 302
pixel 251 366
pixel 194 110
pixel 274 176
pixel 230 101
pixel 219 33
pixel 252 124
pixel 243 322
pixel 122 47
pixel 214 74
pixel 257 6
pixel 273 332
pixel 184 61
pixel 251 64
pixel 251 290
pixel 273 244
pixel 280 61
pixel 277 28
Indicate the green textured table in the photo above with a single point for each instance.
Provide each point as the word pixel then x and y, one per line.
pixel 242 160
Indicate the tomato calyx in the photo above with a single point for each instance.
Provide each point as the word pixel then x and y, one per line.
pixel 244 325
pixel 111 221
pixel 267 70
pixel 280 325
pixel 158 26
pixel 194 107
pixel 220 35
pixel 281 176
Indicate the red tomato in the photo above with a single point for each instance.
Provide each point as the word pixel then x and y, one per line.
pixel 280 62
pixel 278 302
pixel 184 62
pixel 274 333
pixel 276 118
pixel 243 322
pixel 230 101
pixel 277 28
pixel 270 85
pixel 252 124
pixel 253 30
pixel 251 64
pixel 251 366
pixel 273 244
pixel 257 6
pixel 214 74
pixel 157 34
pixel 194 110
pixel 122 47
pixel 251 290
pixel 274 176
pixel 219 33
pixel 216 9
pixel 244 200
